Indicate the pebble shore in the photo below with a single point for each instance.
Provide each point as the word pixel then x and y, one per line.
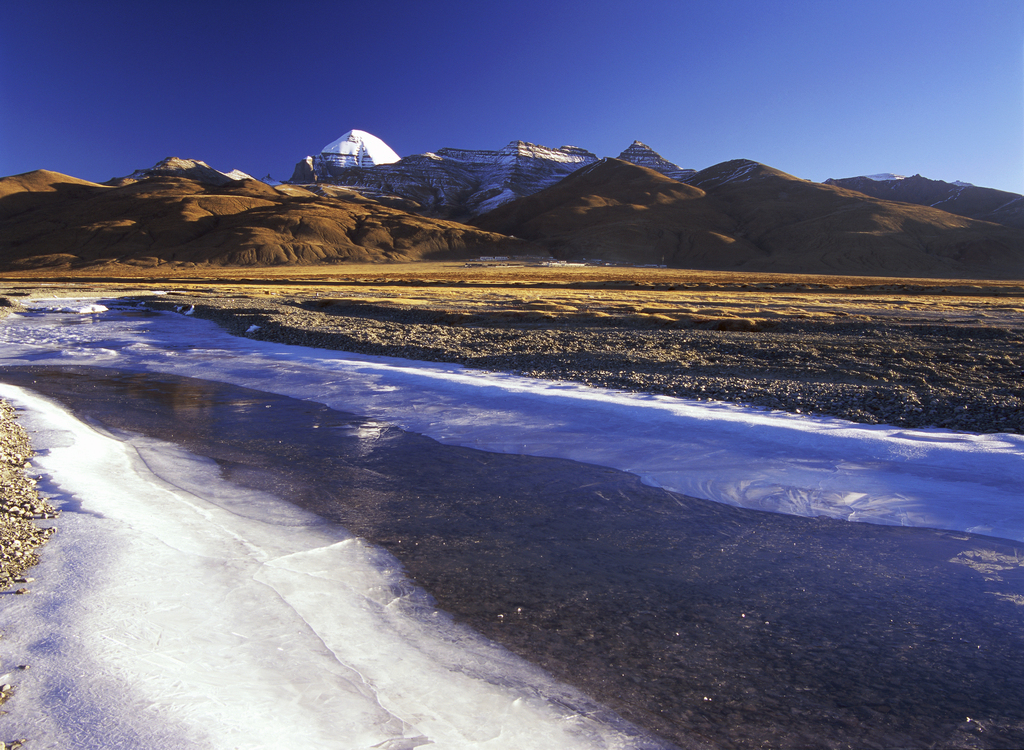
pixel 965 377
pixel 20 502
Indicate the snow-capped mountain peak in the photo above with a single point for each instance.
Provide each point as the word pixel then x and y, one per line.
pixel 357 148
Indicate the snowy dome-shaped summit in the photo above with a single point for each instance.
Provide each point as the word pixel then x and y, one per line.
pixel 357 148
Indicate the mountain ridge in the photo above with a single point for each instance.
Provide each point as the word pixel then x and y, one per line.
pixel 960 198
pixel 459 183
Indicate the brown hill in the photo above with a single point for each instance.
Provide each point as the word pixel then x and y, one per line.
pixel 617 211
pixel 744 216
pixel 49 219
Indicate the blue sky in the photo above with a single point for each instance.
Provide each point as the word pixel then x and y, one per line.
pixel 818 88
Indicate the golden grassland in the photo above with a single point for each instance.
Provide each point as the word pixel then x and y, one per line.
pixel 553 292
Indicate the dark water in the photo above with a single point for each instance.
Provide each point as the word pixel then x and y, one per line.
pixel 746 629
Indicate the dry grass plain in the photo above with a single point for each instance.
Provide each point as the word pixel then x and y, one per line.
pixel 569 290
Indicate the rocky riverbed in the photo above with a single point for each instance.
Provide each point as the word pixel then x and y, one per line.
pixel 20 502
pixel 909 370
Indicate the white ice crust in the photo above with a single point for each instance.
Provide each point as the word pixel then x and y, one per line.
pixel 79 308
pixel 148 591
pixel 174 609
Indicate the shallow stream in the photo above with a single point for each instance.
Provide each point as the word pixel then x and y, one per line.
pixel 698 621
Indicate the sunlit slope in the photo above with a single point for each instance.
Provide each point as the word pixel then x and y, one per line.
pixel 48 219
pixel 744 216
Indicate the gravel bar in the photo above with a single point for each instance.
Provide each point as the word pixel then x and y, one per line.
pixel 954 375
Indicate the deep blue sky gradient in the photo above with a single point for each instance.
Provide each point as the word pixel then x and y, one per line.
pixel 816 88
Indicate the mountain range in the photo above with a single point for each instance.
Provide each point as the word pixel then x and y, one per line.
pixel 357 201
pixel 744 216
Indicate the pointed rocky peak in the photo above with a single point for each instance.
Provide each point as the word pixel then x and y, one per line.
pixel 303 172
pixel 644 156
pixel 639 150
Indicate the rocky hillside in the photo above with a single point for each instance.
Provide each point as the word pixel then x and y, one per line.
pixel 454 183
pixel 738 215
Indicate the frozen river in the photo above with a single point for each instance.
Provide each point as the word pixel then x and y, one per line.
pixel 242 520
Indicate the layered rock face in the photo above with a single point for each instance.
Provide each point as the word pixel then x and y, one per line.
pixel 451 183
pixel 644 156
